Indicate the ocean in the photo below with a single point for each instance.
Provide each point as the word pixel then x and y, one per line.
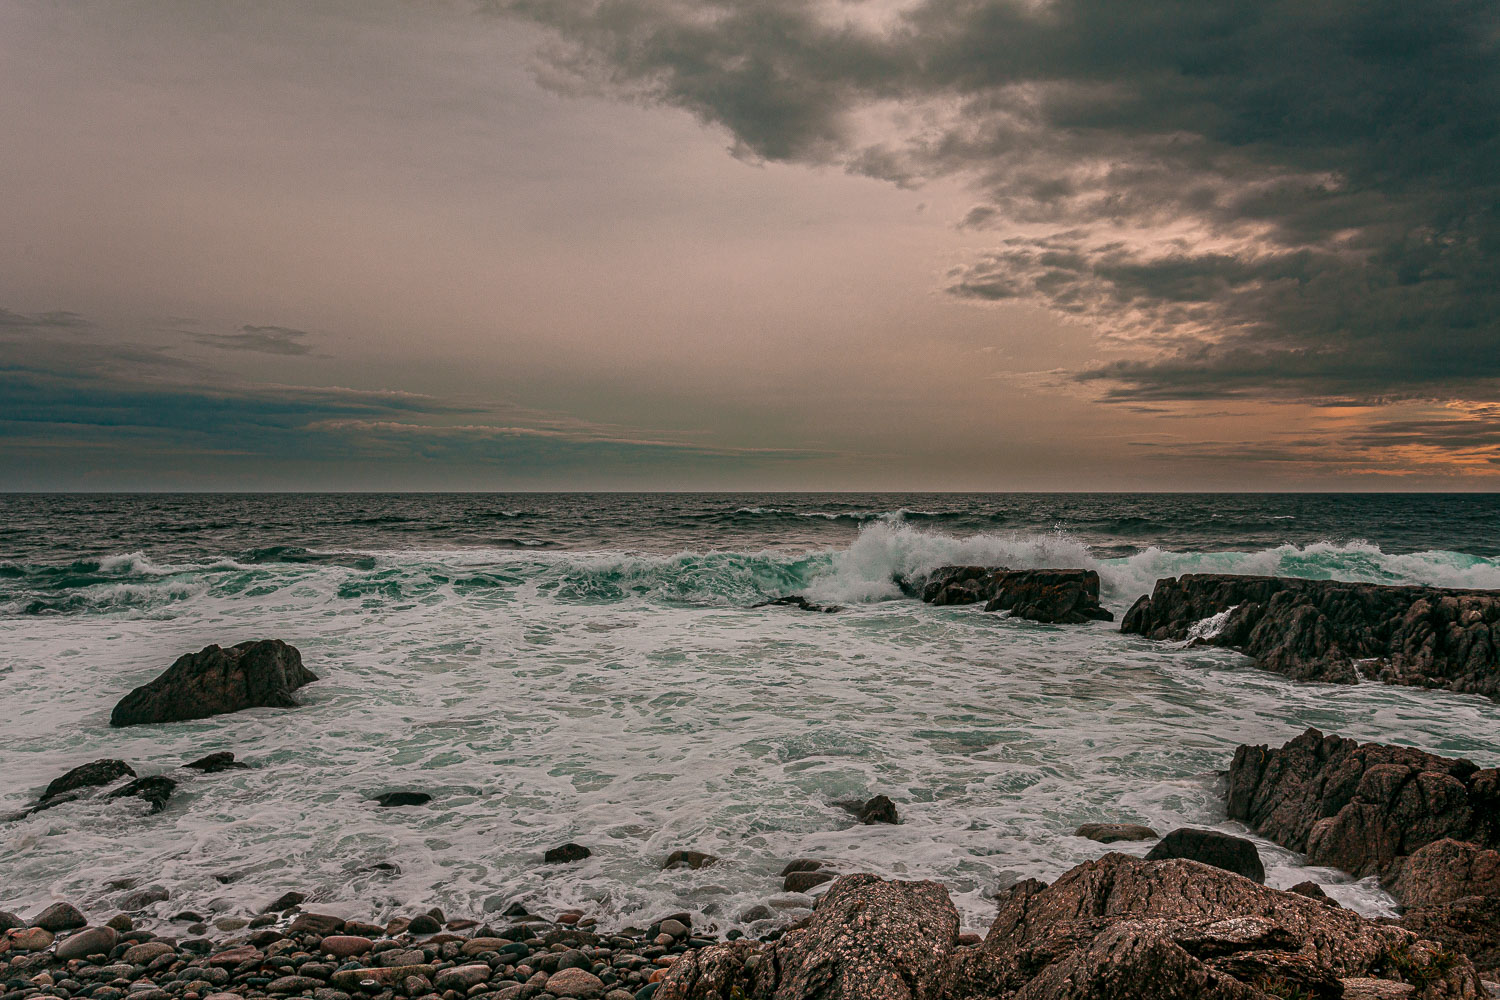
pixel 589 668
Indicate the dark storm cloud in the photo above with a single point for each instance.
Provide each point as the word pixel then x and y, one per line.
pixel 11 321
pixel 1256 196
pixel 260 339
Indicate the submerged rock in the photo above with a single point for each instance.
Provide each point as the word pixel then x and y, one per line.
pixel 1330 630
pixel 879 809
pixel 1053 596
pixel 155 789
pixel 391 799
pixel 59 917
pixel 800 603
pixel 566 854
pixel 1109 833
pixel 223 760
pixel 217 680
pixel 688 859
pixel 1233 854
pixel 95 774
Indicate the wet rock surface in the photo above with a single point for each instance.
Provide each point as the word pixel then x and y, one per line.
pixel 1110 833
pixel 1233 854
pixel 217 680
pixel 1330 630
pixel 1052 596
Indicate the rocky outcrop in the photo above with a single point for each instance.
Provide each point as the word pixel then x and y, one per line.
pixel 1054 596
pixel 800 603
pixel 1115 928
pixel 1360 806
pixel 216 680
pixel 76 782
pixel 1429 826
pixel 1330 630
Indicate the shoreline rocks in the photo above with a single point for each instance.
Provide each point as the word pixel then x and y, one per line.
pixel 1428 826
pixel 1333 631
pixel 217 680
pixel 1050 596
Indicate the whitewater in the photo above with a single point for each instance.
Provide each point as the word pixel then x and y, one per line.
pixel 591 669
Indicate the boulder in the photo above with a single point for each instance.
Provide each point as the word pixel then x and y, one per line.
pixel 575 984
pixel 346 945
pixel 566 854
pixel 1053 596
pixel 92 775
pixel 1360 806
pixel 1109 833
pixel 688 859
pixel 1469 926
pixel 879 809
pixel 804 881
pixel 869 938
pixel 1443 871
pixel 217 680
pixel 1330 630
pixel 1233 854
pixel 10 921
pixel 317 924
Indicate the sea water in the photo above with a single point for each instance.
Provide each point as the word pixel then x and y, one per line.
pixel 589 668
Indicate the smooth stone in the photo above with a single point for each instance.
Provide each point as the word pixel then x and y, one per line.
pixel 121 922
pixel 575 984
pixel 1210 847
pixel 803 881
pixel 475 946
pixel 423 923
pixel 90 941
pixel 145 954
pixel 293 984
pixel 399 957
pixel 1109 833
pixel 142 898
pixel 29 938
pixel 284 902
pixel 346 945
pixel 10 921
pixel 676 928
pixel 60 917
pixel 462 977
pixel 801 865
pixel 319 924
pixel 229 924
pixel 688 859
pixel 349 979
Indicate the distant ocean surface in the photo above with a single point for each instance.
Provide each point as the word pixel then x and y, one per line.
pixel 589 668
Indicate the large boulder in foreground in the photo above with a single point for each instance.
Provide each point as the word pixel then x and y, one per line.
pixel 216 680
pixel 1330 630
pixel 1451 890
pixel 1361 806
pixel 1111 929
pixel 1053 596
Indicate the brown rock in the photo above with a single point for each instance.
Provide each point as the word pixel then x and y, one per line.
pixel 803 881
pixel 688 859
pixel 146 953
pixel 89 941
pixel 29 938
pixel 216 680
pixel 346 945
pixel 575 984
pixel 316 924
pixel 1054 596
pixel 1109 833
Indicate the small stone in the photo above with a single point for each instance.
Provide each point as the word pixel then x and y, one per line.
pixel 232 957
pixel 688 859
pixel 575 984
pixel 880 809
pixel 462 977
pixel 389 800
pixel 90 941
pixel 230 924
pixel 801 865
pixel 757 911
pixel 566 854
pixel 319 924
pixel 1109 833
pixel 60 917
pixel 478 945
pixel 142 898
pixel 293 984
pixel 9 921
pixel 346 945
pixel 673 927
pixel 422 923
pixel 398 957
pixel 121 922
pixel 145 954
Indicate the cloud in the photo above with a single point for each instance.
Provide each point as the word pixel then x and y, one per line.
pixel 1279 198
pixel 260 339
pixel 10 321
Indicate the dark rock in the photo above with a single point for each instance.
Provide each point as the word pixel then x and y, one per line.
pixel 801 865
pixel 284 902
pixel 424 924
pixel 389 799
pixel 799 602
pixel 1443 871
pixel 216 680
pixel 1329 630
pixel 155 789
pixel 1053 596
pixel 880 809
pixel 566 854
pixel 223 760
pixel 142 898
pixel 1233 854
pixel 92 775
pixel 803 881
pixel 688 859
pixel 9 921
pixel 1469 926
pixel 1109 833
pixel 1360 806
pixel 59 917
pixel 1311 890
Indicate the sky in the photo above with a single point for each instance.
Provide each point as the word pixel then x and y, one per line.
pixel 749 244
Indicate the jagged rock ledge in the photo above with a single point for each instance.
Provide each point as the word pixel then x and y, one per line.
pixel 1053 596
pixel 1330 630
pixel 1428 826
